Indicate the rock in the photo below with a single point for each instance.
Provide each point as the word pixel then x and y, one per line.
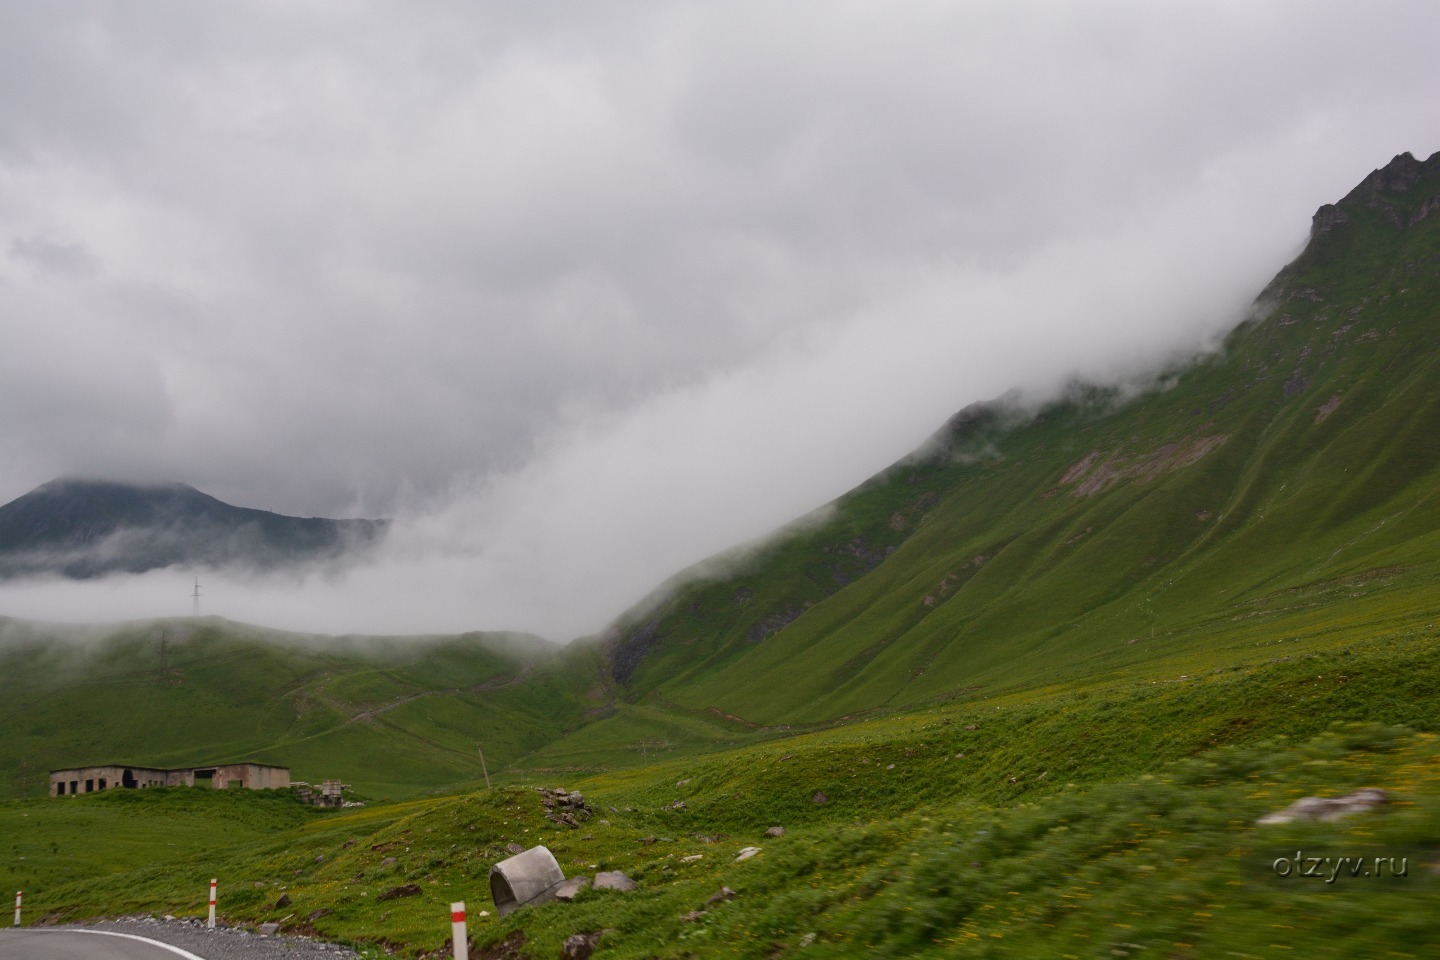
pixel 819 797
pixel 692 916
pixel 647 841
pixel 678 805
pixel 579 946
pixel 395 893
pixel 514 848
pixel 269 929
pixel 747 853
pixel 565 807
pixel 389 862
pixel 347 844
pixel 614 880
pixel 720 896
pixel 681 783
pixel 568 890
pixel 692 858
pixel 775 832
pixel 317 914
pixel 283 902
pixel 1329 808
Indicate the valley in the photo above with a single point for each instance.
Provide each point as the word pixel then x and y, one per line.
pixel 1025 693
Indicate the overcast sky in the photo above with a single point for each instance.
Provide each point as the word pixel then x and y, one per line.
pixel 581 293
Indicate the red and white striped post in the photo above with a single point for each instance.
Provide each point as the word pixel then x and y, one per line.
pixel 211 922
pixel 457 931
pixel 17 907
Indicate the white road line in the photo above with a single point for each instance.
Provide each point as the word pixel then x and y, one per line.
pixel 130 936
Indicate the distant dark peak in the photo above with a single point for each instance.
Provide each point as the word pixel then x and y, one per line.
pixel 81 527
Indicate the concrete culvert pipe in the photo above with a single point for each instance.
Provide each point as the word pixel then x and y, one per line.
pixel 524 880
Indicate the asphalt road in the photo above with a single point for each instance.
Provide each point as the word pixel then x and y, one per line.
pixel 84 945
pixel 146 939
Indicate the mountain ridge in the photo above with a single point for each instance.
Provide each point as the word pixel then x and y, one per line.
pixel 81 527
pixel 1017 534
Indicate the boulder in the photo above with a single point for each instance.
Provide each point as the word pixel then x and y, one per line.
pixel 579 946
pixel 568 890
pixel 1326 809
pixel 614 880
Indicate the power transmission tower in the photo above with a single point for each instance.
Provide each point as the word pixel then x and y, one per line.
pixel 196 596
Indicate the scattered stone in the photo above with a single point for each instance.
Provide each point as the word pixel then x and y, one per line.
pixel 807 940
pixel 788 756
pixel 283 902
pixel 571 888
pixel 389 862
pixel 347 844
pixel 169 917
pixel 614 880
pixel 317 914
pixel 579 946
pixel 514 848
pixel 720 896
pixel 692 916
pixel 890 767
pixel 747 853
pixel 1326 809
pixel 681 783
pixel 692 858
pixel 395 893
pixel 647 841
pixel 819 797
pixel 269 929
pixel 678 805
pixel 320 858
pixel 970 726
pixel 775 832
pixel 566 807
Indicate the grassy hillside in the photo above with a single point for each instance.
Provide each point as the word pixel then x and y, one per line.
pixel 1098 822
pixel 391 716
pixel 1239 497
pixel 1025 694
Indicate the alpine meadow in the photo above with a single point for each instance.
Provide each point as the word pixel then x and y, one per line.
pixel 1029 692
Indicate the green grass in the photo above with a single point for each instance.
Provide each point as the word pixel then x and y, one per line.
pixel 1047 673
pixel 1057 823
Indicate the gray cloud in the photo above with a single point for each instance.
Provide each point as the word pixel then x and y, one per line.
pixel 583 295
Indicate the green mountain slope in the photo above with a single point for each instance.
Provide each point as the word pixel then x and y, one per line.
pixel 391 716
pixel 1286 483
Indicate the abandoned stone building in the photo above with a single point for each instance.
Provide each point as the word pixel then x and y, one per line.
pixel 251 776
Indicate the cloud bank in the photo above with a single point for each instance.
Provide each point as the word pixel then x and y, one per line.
pixel 582 297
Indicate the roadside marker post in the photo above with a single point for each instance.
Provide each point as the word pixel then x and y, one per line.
pixel 211 923
pixel 457 931
pixel 17 907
